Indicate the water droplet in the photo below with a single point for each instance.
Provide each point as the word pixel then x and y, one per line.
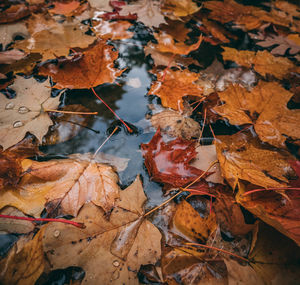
pixel 116 263
pixel 18 124
pixel 9 106
pixel 56 233
pixel 23 110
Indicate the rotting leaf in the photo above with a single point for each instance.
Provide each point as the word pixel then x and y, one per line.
pixel 25 113
pixel 171 86
pixel 169 162
pixel 94 68
pixel 265 106
pixel 243 157
pixel 121 244
pixel 63 187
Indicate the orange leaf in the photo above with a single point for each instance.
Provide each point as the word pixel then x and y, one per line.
pixel 94 68
pixel 68 9
pixel 171 86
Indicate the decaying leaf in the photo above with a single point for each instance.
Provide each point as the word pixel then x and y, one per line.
pixel 94 68
pixel 274 257
pixel 263 62
pixel 63 187
pixel 169 162
pixel 8 32
pixel 171 86
pixel 148 12
pixel 23 265
pixel 25 113
pixel 65 36
pixel 121 244
pixel 265 106
pixel 282 43
pixel 180 8
pixel 243 157
pixel 176 125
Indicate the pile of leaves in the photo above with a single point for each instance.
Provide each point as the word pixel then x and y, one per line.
pixel 225 149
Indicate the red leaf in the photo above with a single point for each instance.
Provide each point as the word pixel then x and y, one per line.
pixel 169 162
pixel 296 167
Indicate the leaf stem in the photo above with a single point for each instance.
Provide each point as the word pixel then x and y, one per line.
pixel 79 225
pixel 267 189
pixel 71 112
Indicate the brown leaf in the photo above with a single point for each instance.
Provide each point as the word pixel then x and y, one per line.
pixel 14 13
pixel 171 86
pixel 263 62
pixel 265 106
pixel 63 187
pixel 176 125
pixel 94 68
pixel 25 113
pixel 8 32
pixel 45 32
pixel 23 265
pixel 180 8
pixel 121 244
pixel 10 56
pixel 274 257
pixel 243 157
pixel 68 9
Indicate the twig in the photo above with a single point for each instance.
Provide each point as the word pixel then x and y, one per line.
pixel 104 142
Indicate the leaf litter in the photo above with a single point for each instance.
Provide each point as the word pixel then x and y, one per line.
pixel 223 80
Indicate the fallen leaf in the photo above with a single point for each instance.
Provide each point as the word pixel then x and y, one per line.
pixel 274 257
pixel 176 29
pixel 243 157
pixel 282 43
pixel 176 125
pixel 265 106
pixel 25 113
pixel 23 265
pixel 94 68
pixel 102 5
pixel 65 35
pixel 8 32
pixel 121 244
pixel 147 12
pixel 63 187
pixel 10 56
pixel 112 30
pixel 14 226
pixel 289 8
pixel 180 8
pixel 169 162
pixel 68 9
pixel 167 44
pixel 171 86
pixel 66 126
pixel 14 13
pixel 263 62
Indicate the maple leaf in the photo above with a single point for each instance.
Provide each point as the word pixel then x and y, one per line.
pixel 180 8
pixel 69 9
pixel 25 113
pixel 148 12
pixel 112 30
pixel 63 186
pixel 282 43
pixel 121 244
pixel 272 125
pixel 169 162
pixel 175 124
pixel 45 32
pixel 94 68
pixel 242 157
pixel 25 261
pixel 171 86
pixel 263 62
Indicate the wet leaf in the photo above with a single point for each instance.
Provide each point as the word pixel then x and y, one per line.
pixel 44 33
pixel 147 12
pixel 169 162
pixel 63 187
pixel 10 31
pixel 24 263
pixel 102 5
pixel 171 86
pixel 121 244
pixel 68 9
pixel 263 62
pixel 25 113
pixel 10 56
pixel 94 68
pixel 180 8
pixel 176 125
pixel 265 106
pixel 274 257
pixel 243 157
pixel 14 13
